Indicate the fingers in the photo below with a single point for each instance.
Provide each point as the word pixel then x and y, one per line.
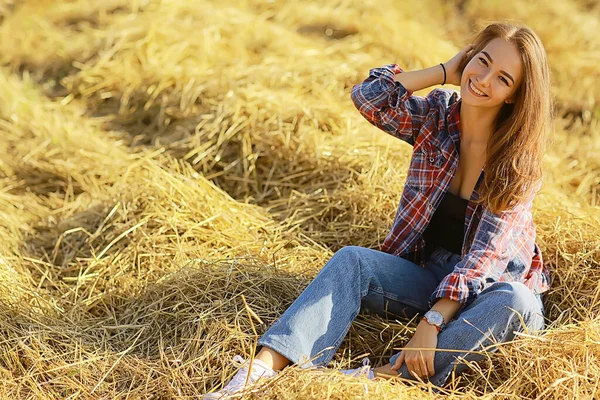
pixel 420 365
pixel 413 366
pixel 467 49
pixel 430 367
pixel 416 372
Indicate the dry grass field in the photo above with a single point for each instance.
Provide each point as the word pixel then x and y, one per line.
pixel 170 166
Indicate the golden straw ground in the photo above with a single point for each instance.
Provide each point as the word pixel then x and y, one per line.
pixel 162 159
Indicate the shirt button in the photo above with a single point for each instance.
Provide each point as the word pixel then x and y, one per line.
pixel 431 159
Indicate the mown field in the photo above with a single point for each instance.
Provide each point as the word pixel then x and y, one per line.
pixel 170 167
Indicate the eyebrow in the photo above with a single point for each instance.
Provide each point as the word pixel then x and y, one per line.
pixel 504 72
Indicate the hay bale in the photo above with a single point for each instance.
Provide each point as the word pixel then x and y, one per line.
pixel 162 159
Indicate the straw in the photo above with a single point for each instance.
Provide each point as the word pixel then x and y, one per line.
pixel 174 171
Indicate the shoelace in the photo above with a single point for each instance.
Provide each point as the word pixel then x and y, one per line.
pixel 366 363
pixel 255 373
pixel 238 361
pixel 364 370
pixel 244 375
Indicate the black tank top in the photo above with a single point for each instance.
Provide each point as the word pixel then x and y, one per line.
pixel 447 225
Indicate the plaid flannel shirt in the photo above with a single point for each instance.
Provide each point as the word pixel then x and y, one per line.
pixel 496 246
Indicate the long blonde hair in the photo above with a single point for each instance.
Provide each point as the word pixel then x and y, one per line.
pixel 514 152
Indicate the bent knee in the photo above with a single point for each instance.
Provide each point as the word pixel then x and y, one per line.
pixel 351 251
pixel 515 295
pixel 346 259
pixel 348 255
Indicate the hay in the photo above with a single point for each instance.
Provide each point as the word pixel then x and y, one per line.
pixel 170 168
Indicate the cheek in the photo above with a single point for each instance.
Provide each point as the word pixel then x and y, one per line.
pixel 503 90
pixel 470 68
pixel 468 72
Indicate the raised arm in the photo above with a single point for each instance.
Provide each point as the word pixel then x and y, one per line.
pixel 386 103
pixel 386 97
pixel 413 81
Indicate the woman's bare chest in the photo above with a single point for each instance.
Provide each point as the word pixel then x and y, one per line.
pixel 470 164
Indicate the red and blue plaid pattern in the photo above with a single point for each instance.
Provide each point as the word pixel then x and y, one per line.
pixel 497 246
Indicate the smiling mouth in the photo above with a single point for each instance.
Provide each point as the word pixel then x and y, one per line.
pixel 477 92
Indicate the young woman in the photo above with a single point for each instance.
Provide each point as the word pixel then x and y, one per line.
pixel 461 252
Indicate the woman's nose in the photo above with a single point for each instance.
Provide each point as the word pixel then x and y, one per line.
pixel 484 79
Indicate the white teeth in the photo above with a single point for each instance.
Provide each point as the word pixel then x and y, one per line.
pixel 475 90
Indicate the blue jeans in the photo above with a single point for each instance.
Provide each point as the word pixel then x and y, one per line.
pixel 358 279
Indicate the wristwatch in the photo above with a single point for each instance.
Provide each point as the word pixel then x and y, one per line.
pixel 435 318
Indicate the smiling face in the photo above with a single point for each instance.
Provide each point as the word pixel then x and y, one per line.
pixel 492 76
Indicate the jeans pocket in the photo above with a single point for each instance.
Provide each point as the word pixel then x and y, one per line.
pixel 387 306
pixel 442 262
pixel 437 255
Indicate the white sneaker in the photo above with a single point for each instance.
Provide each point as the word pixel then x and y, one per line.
pixel 238 382
pixel 365 370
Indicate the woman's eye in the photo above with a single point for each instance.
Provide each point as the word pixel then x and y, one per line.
pixel 483 61
pixel 504 80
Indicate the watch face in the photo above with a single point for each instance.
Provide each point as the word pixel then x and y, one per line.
pixel 434 317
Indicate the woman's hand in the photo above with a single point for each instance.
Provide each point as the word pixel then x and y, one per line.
pixel 419 362
pixel 453 72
